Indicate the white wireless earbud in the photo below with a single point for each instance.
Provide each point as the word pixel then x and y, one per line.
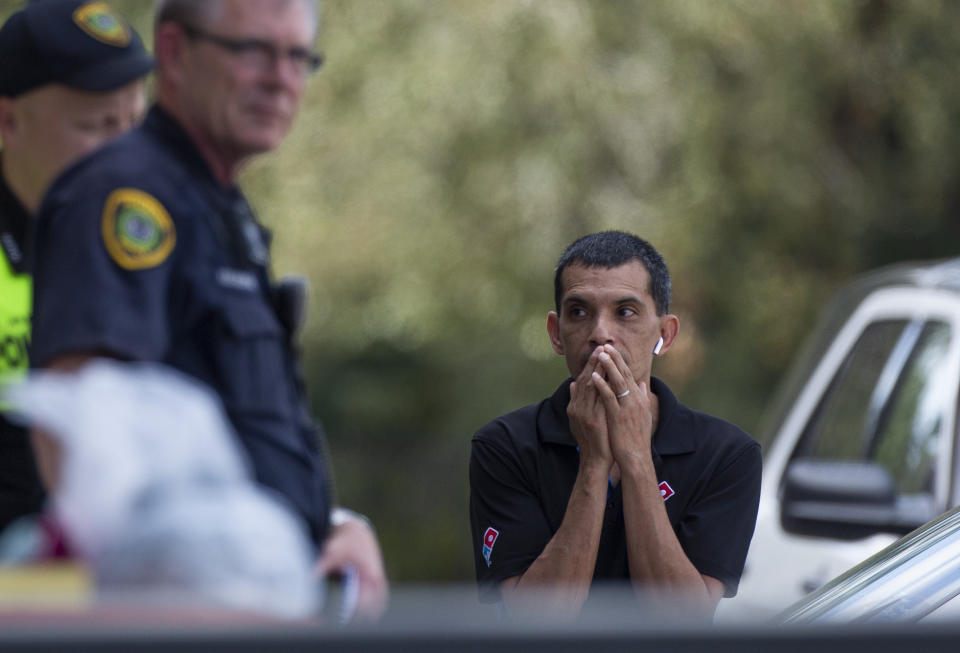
pixel 656 350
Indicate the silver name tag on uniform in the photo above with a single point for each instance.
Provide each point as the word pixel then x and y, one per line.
pixel 237 279
pixel 10 246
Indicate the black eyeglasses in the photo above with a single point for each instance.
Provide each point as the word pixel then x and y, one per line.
pixel 259 53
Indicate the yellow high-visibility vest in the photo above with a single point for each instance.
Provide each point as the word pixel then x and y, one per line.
pixel 15 305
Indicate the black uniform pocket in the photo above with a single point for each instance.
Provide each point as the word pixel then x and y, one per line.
pixel 252 360
pixel 257 385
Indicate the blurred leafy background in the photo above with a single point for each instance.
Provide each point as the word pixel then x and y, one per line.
pixel 450 149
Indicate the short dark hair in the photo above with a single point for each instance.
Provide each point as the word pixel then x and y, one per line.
pixel 611 249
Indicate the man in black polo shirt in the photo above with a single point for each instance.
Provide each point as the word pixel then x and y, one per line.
pixel 611 477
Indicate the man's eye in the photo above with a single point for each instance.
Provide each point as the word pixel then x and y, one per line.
pixel 299 57
pixel 626 311
pixel 242 47
pixel 254 50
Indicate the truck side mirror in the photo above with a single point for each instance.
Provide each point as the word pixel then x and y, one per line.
pixel 847 500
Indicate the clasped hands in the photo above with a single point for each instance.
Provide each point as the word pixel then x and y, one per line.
pixel 606 427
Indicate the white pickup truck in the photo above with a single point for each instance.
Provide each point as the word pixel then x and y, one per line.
pixel 862 439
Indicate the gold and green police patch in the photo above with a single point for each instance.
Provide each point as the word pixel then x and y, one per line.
pixel 137 230
pixel 101 22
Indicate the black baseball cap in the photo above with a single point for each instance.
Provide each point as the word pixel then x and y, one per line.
pixel 84 44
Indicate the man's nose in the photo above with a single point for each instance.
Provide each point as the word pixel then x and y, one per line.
pixel 601 334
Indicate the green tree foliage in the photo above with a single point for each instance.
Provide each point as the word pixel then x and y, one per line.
pixel 449 150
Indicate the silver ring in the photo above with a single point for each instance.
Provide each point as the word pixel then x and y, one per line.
pixel 623 394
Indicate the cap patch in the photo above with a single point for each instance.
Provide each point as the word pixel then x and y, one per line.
pixel 489 539
pixel 99 21
pixel 137 230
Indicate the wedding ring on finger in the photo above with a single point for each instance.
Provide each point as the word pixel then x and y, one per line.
pixel 623 394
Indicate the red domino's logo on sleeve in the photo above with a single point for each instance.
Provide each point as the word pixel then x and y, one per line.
pixel 489 538
pixel 665 490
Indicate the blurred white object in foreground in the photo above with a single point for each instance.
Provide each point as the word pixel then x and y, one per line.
pixel 156 496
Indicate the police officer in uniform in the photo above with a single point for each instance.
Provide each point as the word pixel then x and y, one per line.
pixel 71 79
pixel 148 251
pixel 611 478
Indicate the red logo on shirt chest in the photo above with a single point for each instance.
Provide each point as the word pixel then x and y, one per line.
pixel 665 490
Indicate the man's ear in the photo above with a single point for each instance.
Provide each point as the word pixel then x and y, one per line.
pixel 553 330
pixel 168 45
pixel 669 328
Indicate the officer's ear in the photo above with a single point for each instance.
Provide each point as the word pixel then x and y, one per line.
pixel 168 50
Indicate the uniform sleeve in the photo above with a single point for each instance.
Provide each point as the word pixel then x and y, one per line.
pixel 101 273
pixel 507 521
pixel 715 533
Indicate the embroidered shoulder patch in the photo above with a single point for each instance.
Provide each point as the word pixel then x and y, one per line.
pixel 137 231
pixel 99 21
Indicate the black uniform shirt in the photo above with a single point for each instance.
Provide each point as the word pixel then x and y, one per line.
pixel 523 466
pixel 141 254
pixel 21 492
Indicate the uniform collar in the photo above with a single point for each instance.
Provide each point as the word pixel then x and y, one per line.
pixel 554 425
pixel 161 123
pixel 14 223
pixel 249 240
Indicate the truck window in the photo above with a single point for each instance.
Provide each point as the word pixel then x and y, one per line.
pixel 835 431
pixel 908 436
pixel 886 403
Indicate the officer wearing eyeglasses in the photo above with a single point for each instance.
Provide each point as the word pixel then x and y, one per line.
pixel 149 252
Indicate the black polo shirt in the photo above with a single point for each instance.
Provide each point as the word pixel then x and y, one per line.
pixel 523 466
pixel 142 254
